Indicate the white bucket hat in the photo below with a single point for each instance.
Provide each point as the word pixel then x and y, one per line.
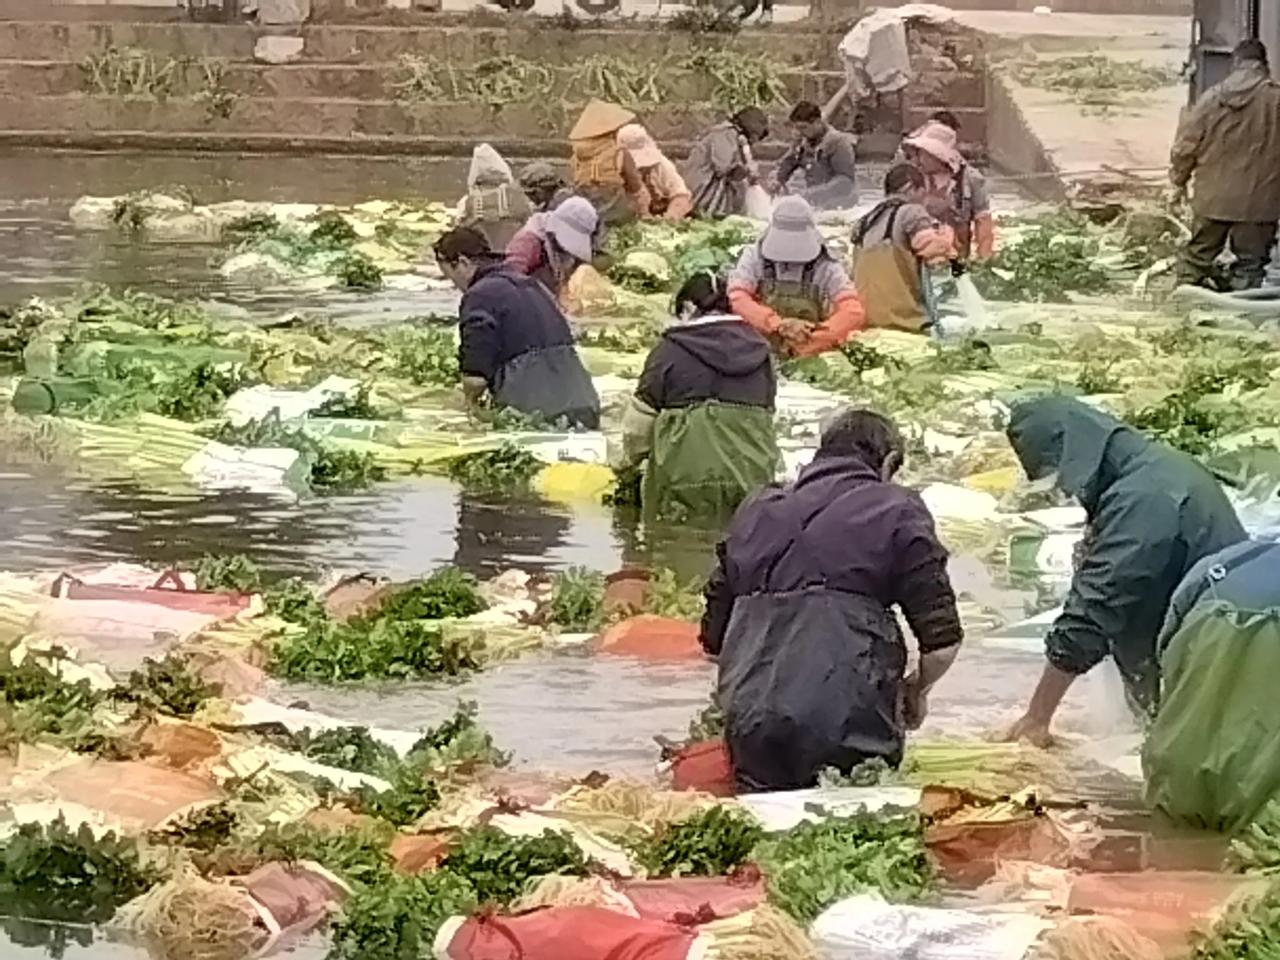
pixel 573 224
pixel 792 236
pixel 635 139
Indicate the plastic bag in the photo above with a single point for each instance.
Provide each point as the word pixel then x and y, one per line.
pixel 757 204
pixel 562 933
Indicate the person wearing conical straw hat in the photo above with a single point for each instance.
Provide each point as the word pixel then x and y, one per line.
pixel 602 171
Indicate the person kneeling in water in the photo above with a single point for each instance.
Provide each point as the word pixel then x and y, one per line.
pixel 813 666
pixel 702 414
pixel 516 343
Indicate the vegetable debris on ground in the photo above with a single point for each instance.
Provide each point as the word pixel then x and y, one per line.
pixel 167 686
pixel 1093 79
pixel 814 865
pixel 506 469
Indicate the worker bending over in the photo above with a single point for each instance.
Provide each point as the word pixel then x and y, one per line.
pixel 825 155
pixel 665 188
pixel 494 205
pixel 516 345
pixel 721 166
pixel 553 245
pixel 791 289
pixel 702 414
pixel 602 171
pixel 800 613
pixel 1153 513
pixel 894 245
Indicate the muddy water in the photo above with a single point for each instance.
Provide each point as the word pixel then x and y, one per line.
pixel 561 712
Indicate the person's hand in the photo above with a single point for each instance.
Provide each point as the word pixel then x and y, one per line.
pixel 1175 196
pixel 915 703
pixel 794 332
pixel 1028 729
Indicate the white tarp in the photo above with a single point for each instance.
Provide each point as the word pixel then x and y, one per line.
pixel 875 50
pixel 867 928
pixel 786 809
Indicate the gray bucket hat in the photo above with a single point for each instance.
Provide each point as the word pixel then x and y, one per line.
pixel 792 235
pixel 573 224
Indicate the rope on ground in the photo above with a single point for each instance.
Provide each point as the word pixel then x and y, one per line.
pixel 764 933
pixel 192 918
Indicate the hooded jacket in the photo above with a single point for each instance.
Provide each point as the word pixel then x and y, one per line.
pixel 799 612
pixel 1230 142
pixel 494 205
pixel 703 416
pixel 712 358
pixel 1153 513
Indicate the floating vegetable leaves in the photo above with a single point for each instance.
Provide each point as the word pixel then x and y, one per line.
pixel 448 592
pixel 1250 930
pixel 708 844
pixel 507 469
pixel 370 650
pixel 52 872
pixel 577 599
pixel 235 572
pixel 167 686
pixel 459 741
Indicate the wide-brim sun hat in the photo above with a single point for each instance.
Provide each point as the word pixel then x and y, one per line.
pixel 599 118
pixel 792 235
pixel 939 141
pixel 573 224
pixel 635 139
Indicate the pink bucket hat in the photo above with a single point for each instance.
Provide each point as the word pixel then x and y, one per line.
pixel 939 141
pixel 635 139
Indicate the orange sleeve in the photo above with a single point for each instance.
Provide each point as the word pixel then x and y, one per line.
pixel 743 302
pixel 680 206
pixel 984 236
pixel 846 319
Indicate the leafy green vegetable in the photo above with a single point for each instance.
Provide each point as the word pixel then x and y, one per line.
pixel 358 272
pixel 236 573
pixel 349 748
pixel 1250 930
pixel 205 829
pixel 577 599
pixel 166 686
pixel 332 470
pixel 52 872
pixel 627 484
pixel 669 596
pixel 38 704
pixel 398 919
pixel 499 866
pixel 448 592
pixel 507 469
pixel 332 230
pixel 251 225
pixel 708 844
pixel 411 795
pixel 371 649
pixel 1044 265
pixel 343 407
pixel 816 864
pixel 709 724
pixel 360 856
pixel 458 741
pixel 295 601
pixel 427 356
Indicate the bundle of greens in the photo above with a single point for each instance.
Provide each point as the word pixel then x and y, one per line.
pixel 398 918
pixel 669 596
pixel 424 355
pixel 36 704
pixel 348 748
pixel 231 573
pixel 403 637
pixel 709 844
pixel 52 872
pixel 709 724
pixel 167 686
pixel 1250 930
pixel 458 742
pixel 204 830
pixel 816 864
pixel 509 469
pixel 577 599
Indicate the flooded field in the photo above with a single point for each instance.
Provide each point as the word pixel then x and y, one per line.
pixel 555 711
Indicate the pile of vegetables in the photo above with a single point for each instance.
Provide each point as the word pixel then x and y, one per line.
pixel 577 599
pixel 1048 263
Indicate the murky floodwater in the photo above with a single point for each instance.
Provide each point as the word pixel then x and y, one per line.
pixel 556 712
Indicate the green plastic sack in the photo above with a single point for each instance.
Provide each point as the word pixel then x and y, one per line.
pixel 1212 754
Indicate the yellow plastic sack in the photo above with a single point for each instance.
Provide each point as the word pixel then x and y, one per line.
pixel 574 482
pixel 995 482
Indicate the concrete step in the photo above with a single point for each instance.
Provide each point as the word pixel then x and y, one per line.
pixel 348 81
pixel 343 43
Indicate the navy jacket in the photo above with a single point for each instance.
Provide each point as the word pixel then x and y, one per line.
pixel 514 335
pixel 714 358
pixel 799 611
